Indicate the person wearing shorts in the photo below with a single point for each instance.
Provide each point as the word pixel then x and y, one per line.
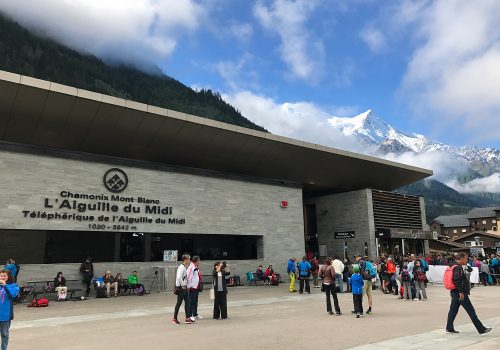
pixel 367 286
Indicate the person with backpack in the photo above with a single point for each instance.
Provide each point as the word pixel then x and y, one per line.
pixel 357 283
pixel 420 278
pixel 290 269
pixel 315 271
pixel 367 272
pixel 8 291
pixel 456 281
pixel 327 274
pixel 304 272
pixel 405 283
pixel 391 272
pixel 137 287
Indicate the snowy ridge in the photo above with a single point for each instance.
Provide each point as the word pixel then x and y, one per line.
pixel 374 131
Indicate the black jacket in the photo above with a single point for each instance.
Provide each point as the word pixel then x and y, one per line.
pixel 61 283
pixel 216 280
pixel 460 280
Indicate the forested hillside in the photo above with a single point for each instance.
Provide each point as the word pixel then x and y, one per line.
pixel 25 53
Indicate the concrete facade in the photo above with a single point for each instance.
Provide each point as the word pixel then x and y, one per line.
pixel 198 204
pixel 349 211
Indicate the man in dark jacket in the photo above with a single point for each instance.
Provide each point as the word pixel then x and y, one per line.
pixel 460 297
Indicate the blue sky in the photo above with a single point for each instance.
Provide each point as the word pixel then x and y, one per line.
pixel 423 66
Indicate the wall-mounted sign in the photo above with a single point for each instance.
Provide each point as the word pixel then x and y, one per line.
pixel 382 233
pixel 170 255
pixel 115 180
pixel 344 235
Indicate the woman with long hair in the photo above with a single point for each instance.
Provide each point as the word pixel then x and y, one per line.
pixel 327 273
pixel 220 288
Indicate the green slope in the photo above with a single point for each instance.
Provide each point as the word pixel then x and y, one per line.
pixel 24 53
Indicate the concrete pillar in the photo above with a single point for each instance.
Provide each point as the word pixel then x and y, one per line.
pixel 372 244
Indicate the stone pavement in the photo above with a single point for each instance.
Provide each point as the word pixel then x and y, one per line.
pixel 259 316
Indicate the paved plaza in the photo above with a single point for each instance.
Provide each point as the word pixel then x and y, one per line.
pixel 259 317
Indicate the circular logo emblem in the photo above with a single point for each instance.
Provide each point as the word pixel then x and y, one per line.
pixel 115 180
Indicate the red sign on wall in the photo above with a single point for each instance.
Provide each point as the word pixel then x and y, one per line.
pixel 284 204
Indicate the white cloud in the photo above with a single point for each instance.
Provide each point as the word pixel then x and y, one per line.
pixel 486 184
pixel 241 31
pixel 373 38
pixel 131 31
pixel 238 73
pixel 301 52
pixel 300 120
pixel 453 75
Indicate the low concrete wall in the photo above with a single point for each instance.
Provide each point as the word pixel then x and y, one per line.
pixel 40 272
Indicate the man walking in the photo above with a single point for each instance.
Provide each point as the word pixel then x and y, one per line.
pixel 291 273
pixel 339 270
pixel 304 273
pixel 460 297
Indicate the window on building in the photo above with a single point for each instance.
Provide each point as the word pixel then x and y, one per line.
pixel 484 222
pixel 473 244
pixel 455 231
pixel 464 230
pixel 493 221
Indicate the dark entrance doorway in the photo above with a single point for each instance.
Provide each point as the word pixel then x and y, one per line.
pixel 132 246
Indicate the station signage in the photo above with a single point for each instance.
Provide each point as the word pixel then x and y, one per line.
pixel 344 235
pixel 112 211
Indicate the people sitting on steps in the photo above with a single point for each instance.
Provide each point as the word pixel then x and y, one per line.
pixel 110 283
pixel 137 287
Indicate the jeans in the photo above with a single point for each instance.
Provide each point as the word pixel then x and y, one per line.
pixel 182 296
pixel 407 290
pixel 292 281
pixel 330 289
pixel 220 305
pixel 421 292
pixel 315 279
pixel 306 281
pixel 193 302
pixel 4 331
pixel 340 282
pixel 467 305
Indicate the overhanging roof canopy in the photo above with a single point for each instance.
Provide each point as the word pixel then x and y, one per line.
pixel 47 114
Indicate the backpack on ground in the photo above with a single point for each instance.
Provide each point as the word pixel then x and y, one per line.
pixel 448 278
pixel 62 296
pixel 42 302
pixel 274 280
pixel 370 269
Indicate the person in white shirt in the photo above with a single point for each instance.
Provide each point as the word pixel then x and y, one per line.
pixel 193 286
pixel 338 266
pixel 181 290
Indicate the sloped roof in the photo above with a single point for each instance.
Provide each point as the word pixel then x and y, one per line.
pixel 478 233
pixel 477 213
pixel 453 220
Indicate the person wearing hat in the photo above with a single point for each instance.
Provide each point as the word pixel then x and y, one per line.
pixel 357 283
pixel 109 282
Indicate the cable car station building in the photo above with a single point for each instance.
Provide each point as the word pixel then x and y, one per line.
pixel 85 173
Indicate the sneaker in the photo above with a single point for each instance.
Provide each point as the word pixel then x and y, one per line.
pixel 369 312
pixel 338 313
pixel 198 317
pixel 330 313
pixel 174 321
pixel 193 319
pixel 189 321
pixel 486 330
pixel 452 331
pixel 358 315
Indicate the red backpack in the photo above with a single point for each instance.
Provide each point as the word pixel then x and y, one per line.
pixel 42 302
pixel 448 278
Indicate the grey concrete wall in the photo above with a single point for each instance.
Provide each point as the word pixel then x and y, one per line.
pixel 349 211
pixel 209 204
pixel 41 272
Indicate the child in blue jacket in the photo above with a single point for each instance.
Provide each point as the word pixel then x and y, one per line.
pixel 8 291
pixel 357 291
